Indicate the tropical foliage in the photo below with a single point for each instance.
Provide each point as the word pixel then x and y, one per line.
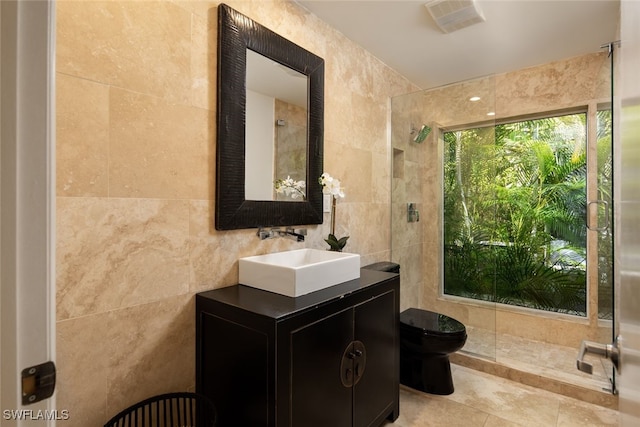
pixel 605 235
pixel 514 209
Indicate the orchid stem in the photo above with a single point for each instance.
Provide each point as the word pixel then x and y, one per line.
pixel 333 215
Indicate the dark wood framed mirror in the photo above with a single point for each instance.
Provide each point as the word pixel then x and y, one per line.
pixel 237 35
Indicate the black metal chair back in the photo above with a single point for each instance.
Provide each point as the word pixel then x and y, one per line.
pixel 182 409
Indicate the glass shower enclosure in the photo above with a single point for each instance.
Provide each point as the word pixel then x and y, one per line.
pixel 514 193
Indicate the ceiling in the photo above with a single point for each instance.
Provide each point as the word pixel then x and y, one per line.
pixel 516 34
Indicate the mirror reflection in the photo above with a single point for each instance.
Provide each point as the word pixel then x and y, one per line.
pixel 276 131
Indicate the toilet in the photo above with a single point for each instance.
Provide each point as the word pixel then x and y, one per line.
pixel 426 340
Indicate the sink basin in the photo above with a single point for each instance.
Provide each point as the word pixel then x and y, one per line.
pixel 298 272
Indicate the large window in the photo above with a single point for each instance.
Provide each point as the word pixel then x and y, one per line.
pixel 514 213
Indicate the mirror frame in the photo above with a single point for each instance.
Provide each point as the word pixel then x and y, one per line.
pixel 236 34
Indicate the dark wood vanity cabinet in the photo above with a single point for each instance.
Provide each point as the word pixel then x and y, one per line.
pixel 329 358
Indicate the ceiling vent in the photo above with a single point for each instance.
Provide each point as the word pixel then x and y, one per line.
pixel 453 15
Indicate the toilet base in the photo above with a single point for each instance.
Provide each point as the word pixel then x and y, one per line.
pixel 431 373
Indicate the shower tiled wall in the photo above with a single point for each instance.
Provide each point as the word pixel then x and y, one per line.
pixel 135 184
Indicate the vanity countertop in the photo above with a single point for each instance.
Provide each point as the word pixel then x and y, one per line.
pixel 278 307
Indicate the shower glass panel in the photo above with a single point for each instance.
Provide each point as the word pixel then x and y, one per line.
pixel 605 215
pixel 603 230
pixel 514 213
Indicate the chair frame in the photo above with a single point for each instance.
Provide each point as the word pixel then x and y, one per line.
pixel 168 410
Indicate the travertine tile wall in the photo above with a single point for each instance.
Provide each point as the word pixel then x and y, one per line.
pixel 135 184
pixel 577 82
pixel 409 168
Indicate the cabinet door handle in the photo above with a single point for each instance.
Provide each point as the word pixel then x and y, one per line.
pixel 360 363
pixel 346 366
pixel 352 366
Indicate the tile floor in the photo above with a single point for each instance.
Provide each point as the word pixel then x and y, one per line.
pixel 483 400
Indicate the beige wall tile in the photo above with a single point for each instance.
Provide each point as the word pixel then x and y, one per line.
pixel 108 361
pixel 552 86
pixel 381 177
pixel 202 9
pixel 114 253
pixel 159 150
pixel 143 46
pixel 82 361
pixel 367 226
pixel 152 351
pixel 411 279
pixel 82 137
pixel 204 59
pixel 353 167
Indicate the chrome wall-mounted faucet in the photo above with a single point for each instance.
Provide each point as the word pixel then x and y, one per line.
pixel 291 233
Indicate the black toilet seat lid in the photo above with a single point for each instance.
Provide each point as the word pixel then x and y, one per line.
pixel 431 323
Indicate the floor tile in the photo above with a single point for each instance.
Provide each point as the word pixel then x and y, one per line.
pixel 418 411
pixel 580 414
pixel 493 421
pixel 484 400
pixel 506 399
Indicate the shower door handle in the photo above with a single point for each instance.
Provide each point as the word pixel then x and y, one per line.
pixel 608 351
pixel 606 215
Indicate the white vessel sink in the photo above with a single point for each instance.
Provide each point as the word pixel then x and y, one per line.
pixel 298 272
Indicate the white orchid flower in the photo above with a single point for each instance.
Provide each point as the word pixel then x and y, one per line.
pixel 331 185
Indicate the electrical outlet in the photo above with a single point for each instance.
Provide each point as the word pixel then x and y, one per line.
pixel 326 203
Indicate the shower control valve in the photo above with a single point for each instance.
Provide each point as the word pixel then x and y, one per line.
pixel 413 215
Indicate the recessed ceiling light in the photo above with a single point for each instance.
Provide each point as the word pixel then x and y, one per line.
pixel 474 98
pixel 491 113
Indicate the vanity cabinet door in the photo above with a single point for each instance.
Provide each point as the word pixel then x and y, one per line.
pixel 375 395
pixel 344 367
pixel 318 397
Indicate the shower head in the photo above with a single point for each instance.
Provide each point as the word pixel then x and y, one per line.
pixel 420 135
